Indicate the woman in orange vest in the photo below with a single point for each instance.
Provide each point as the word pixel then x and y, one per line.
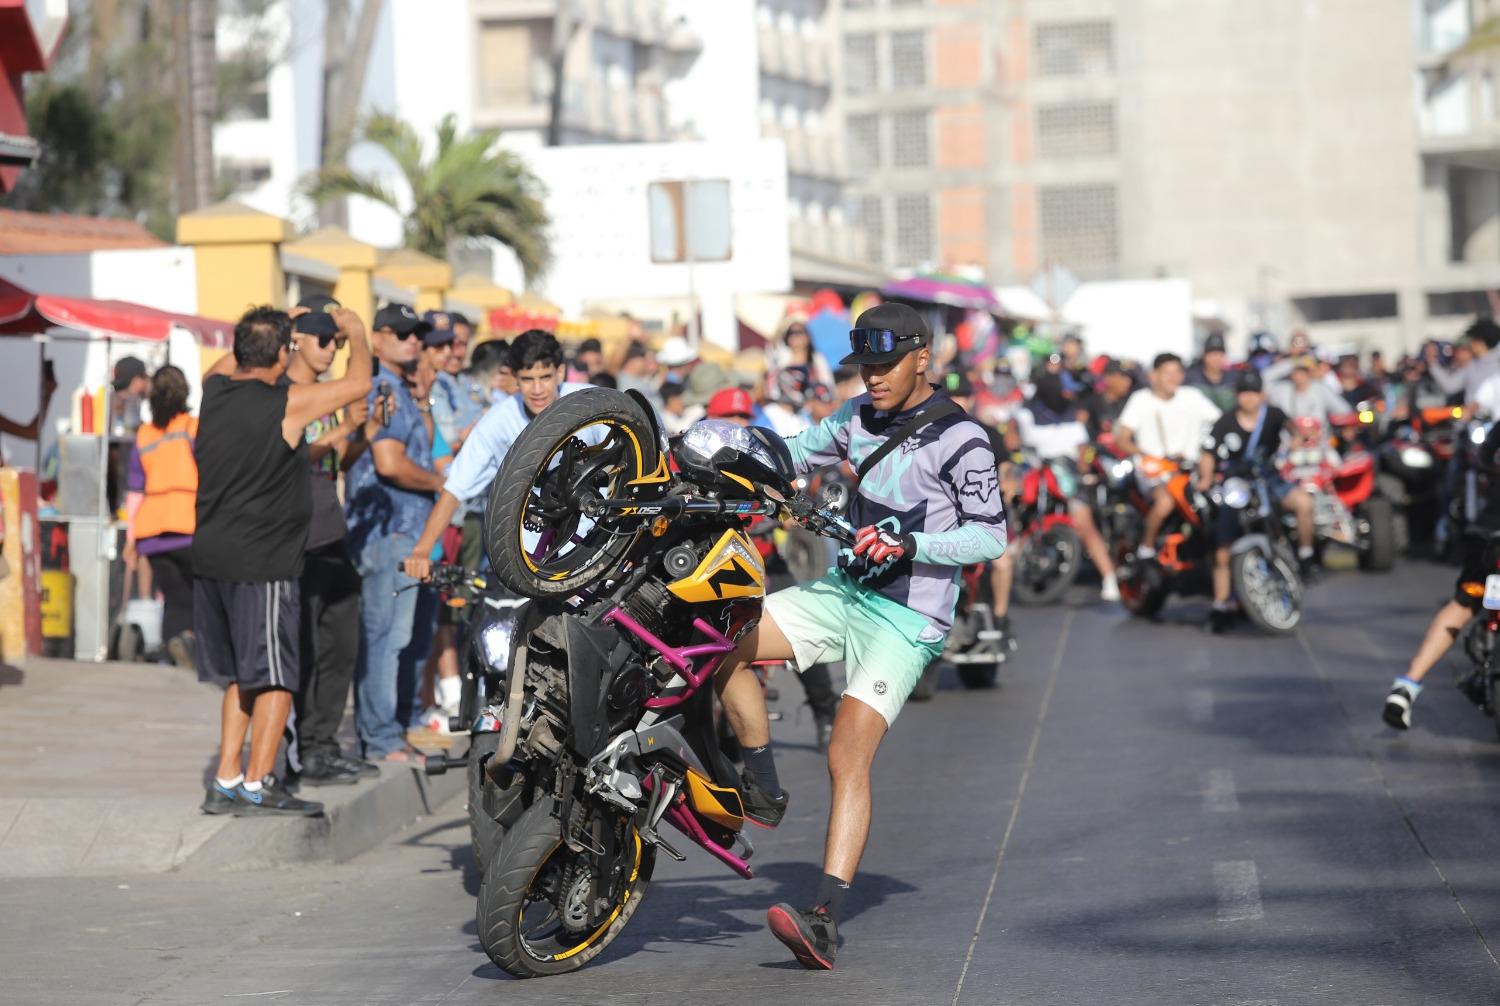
pixel 163 491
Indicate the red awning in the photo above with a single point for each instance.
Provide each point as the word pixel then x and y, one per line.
pixel 25 313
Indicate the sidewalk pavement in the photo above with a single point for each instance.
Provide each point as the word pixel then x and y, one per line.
pixel 103 766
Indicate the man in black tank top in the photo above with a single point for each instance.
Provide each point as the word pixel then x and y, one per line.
pixel 254 507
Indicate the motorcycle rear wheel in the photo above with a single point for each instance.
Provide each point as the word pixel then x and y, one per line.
pixel 547 471
pixel 1381 553
pixel 1061 550
pixel 531 848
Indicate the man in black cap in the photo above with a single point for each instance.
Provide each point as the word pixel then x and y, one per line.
pixel 330 585
pixel 928 503
pixel 388 496
pixel 130 387
pixel 1211 374
pixel 1243 442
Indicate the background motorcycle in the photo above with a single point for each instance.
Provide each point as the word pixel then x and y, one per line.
pixel 1049 553
pixel 1263 566
pixel 1348 507
pixel 1482 682
pixel 1413 459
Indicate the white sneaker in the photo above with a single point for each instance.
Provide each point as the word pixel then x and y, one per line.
pixel 1110 591
pixel 1145 552
pixel 435 721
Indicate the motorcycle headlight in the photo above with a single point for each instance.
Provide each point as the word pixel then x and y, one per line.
pixel 1121 469
pixel 1477 434
pixel 1413 457
pixel 495 641
pixel 1236 493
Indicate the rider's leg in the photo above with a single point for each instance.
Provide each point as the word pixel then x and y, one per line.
pixel 1443 630
pixel 1221 577
pixel 1002 573
pixel 1300 503
pixel 1094 545
pixel 740 690
pixel 857 733
pixel 1161 508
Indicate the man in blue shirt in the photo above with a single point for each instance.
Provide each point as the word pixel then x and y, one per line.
pixel 388 498
pixel 536 360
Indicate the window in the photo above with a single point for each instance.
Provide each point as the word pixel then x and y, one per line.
pixel 1352 307
pixel 909 139
pixel 913 229
pixel 870 219
pixel 1079 227
pixel 507 51
pixel 1076 129
pixel 244 88
pixel 909 58
pixel 863 144
pixel 241 176
pixel 1075 49
pixel 1458 302
pixel 689 220
pixel 861 68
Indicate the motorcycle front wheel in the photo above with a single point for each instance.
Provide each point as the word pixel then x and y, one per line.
pixel 591 443
pixel 1047 564
pixel 1269 588
pixel 544 909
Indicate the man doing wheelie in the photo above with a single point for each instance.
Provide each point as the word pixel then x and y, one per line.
pixel 928 503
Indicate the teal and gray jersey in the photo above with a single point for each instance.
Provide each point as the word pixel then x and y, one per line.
pixel 940 486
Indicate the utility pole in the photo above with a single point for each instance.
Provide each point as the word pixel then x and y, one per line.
pixel 193 23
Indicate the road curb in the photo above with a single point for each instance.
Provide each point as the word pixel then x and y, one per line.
pixel 357 818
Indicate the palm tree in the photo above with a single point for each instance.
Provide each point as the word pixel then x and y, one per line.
pixel 468 188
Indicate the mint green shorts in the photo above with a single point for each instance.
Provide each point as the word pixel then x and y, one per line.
pixel 885 646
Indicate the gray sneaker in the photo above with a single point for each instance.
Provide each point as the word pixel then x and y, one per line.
pixel 220 800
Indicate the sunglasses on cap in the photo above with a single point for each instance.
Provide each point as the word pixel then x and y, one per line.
pixel 879 340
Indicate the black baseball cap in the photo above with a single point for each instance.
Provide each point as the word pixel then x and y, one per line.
pixel 401 319
pixel 1214 343
pixel 127 369
pixel 1249 380
pixel 907 331
pixel 315 322
pixel 318 302
pixel 437 336
pixel 438 319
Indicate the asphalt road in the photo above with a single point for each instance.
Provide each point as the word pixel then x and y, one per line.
pixel 1143 813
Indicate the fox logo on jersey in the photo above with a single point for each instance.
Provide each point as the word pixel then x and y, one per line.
pixel 979 483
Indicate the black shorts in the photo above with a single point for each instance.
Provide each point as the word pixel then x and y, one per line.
pixel 247 633
pixel 1471 571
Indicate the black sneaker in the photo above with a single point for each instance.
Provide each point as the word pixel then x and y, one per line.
pixel 362 768
pixel 760 806
pixel 318 770
pixel 1397 712
pixel 273 800
pixel 811 934
pixel 221 799
pixel 1219 621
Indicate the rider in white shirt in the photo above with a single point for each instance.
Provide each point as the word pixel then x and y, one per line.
pixel 1164 420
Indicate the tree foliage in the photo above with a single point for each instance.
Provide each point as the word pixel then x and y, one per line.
pixel 468 188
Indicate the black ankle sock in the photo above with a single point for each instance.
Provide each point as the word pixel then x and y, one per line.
pixel 831 892
pixel 760 764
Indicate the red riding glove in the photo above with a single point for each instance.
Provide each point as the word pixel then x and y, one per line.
pixel 879 547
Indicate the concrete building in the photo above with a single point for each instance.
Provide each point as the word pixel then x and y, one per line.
pixel 1295 178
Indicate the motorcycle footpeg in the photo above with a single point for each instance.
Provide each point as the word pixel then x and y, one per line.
pixel 742 845
pixel 439 764
pixel 455 725
pixel 661 843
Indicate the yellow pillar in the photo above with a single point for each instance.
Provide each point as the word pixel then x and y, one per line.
pixel 237 256
pixel 355 261
pixel 430 277
pixel 476 297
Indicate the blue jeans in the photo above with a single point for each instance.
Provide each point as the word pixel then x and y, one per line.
pixel 413 656
pixel 385 623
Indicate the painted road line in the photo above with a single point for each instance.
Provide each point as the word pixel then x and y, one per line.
pixel 1238 889
pixel 1219 796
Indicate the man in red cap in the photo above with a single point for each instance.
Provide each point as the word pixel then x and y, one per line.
pixel 733 404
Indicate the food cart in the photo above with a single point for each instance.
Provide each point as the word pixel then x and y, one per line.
pixel 67 492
